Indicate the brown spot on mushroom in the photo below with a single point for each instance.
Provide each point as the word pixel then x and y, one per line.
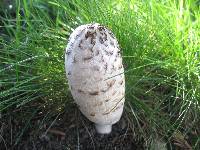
pixel 94 93
pixel 80 91
pixel 120 66
pixel 68 53
pixel 96 52
pixel 111 83
pixel 92 114
pixel 107 100
pixel 121 82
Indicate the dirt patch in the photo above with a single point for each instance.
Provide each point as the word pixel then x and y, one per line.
pixel 69 130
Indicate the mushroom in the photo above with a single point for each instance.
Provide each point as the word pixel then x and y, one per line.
pixel 95 75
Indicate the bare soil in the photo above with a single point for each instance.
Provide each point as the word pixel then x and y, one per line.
pixel 67 130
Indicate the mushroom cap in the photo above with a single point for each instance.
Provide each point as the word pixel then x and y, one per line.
pixel 95 73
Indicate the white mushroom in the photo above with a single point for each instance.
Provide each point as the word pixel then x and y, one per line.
pixel 95 75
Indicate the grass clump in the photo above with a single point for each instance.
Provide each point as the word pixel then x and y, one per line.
pixel 160 46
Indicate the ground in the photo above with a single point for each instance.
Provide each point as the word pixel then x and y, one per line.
pixel 69 130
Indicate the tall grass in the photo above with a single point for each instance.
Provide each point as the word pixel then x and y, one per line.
pixel 160 47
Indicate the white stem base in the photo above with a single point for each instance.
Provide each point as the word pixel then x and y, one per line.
pixel 103 128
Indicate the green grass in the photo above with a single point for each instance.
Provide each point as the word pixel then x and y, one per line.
pixel 159 41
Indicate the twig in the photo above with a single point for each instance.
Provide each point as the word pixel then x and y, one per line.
pixel 54 131
pixel 88 133
pixel 51 124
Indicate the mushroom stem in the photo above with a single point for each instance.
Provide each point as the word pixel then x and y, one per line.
pixel 103 128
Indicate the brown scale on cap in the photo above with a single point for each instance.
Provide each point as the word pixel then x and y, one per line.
pixel 87 58
pixel 94 93
pixel 111 83
pixel 101 28
pixel 89 34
